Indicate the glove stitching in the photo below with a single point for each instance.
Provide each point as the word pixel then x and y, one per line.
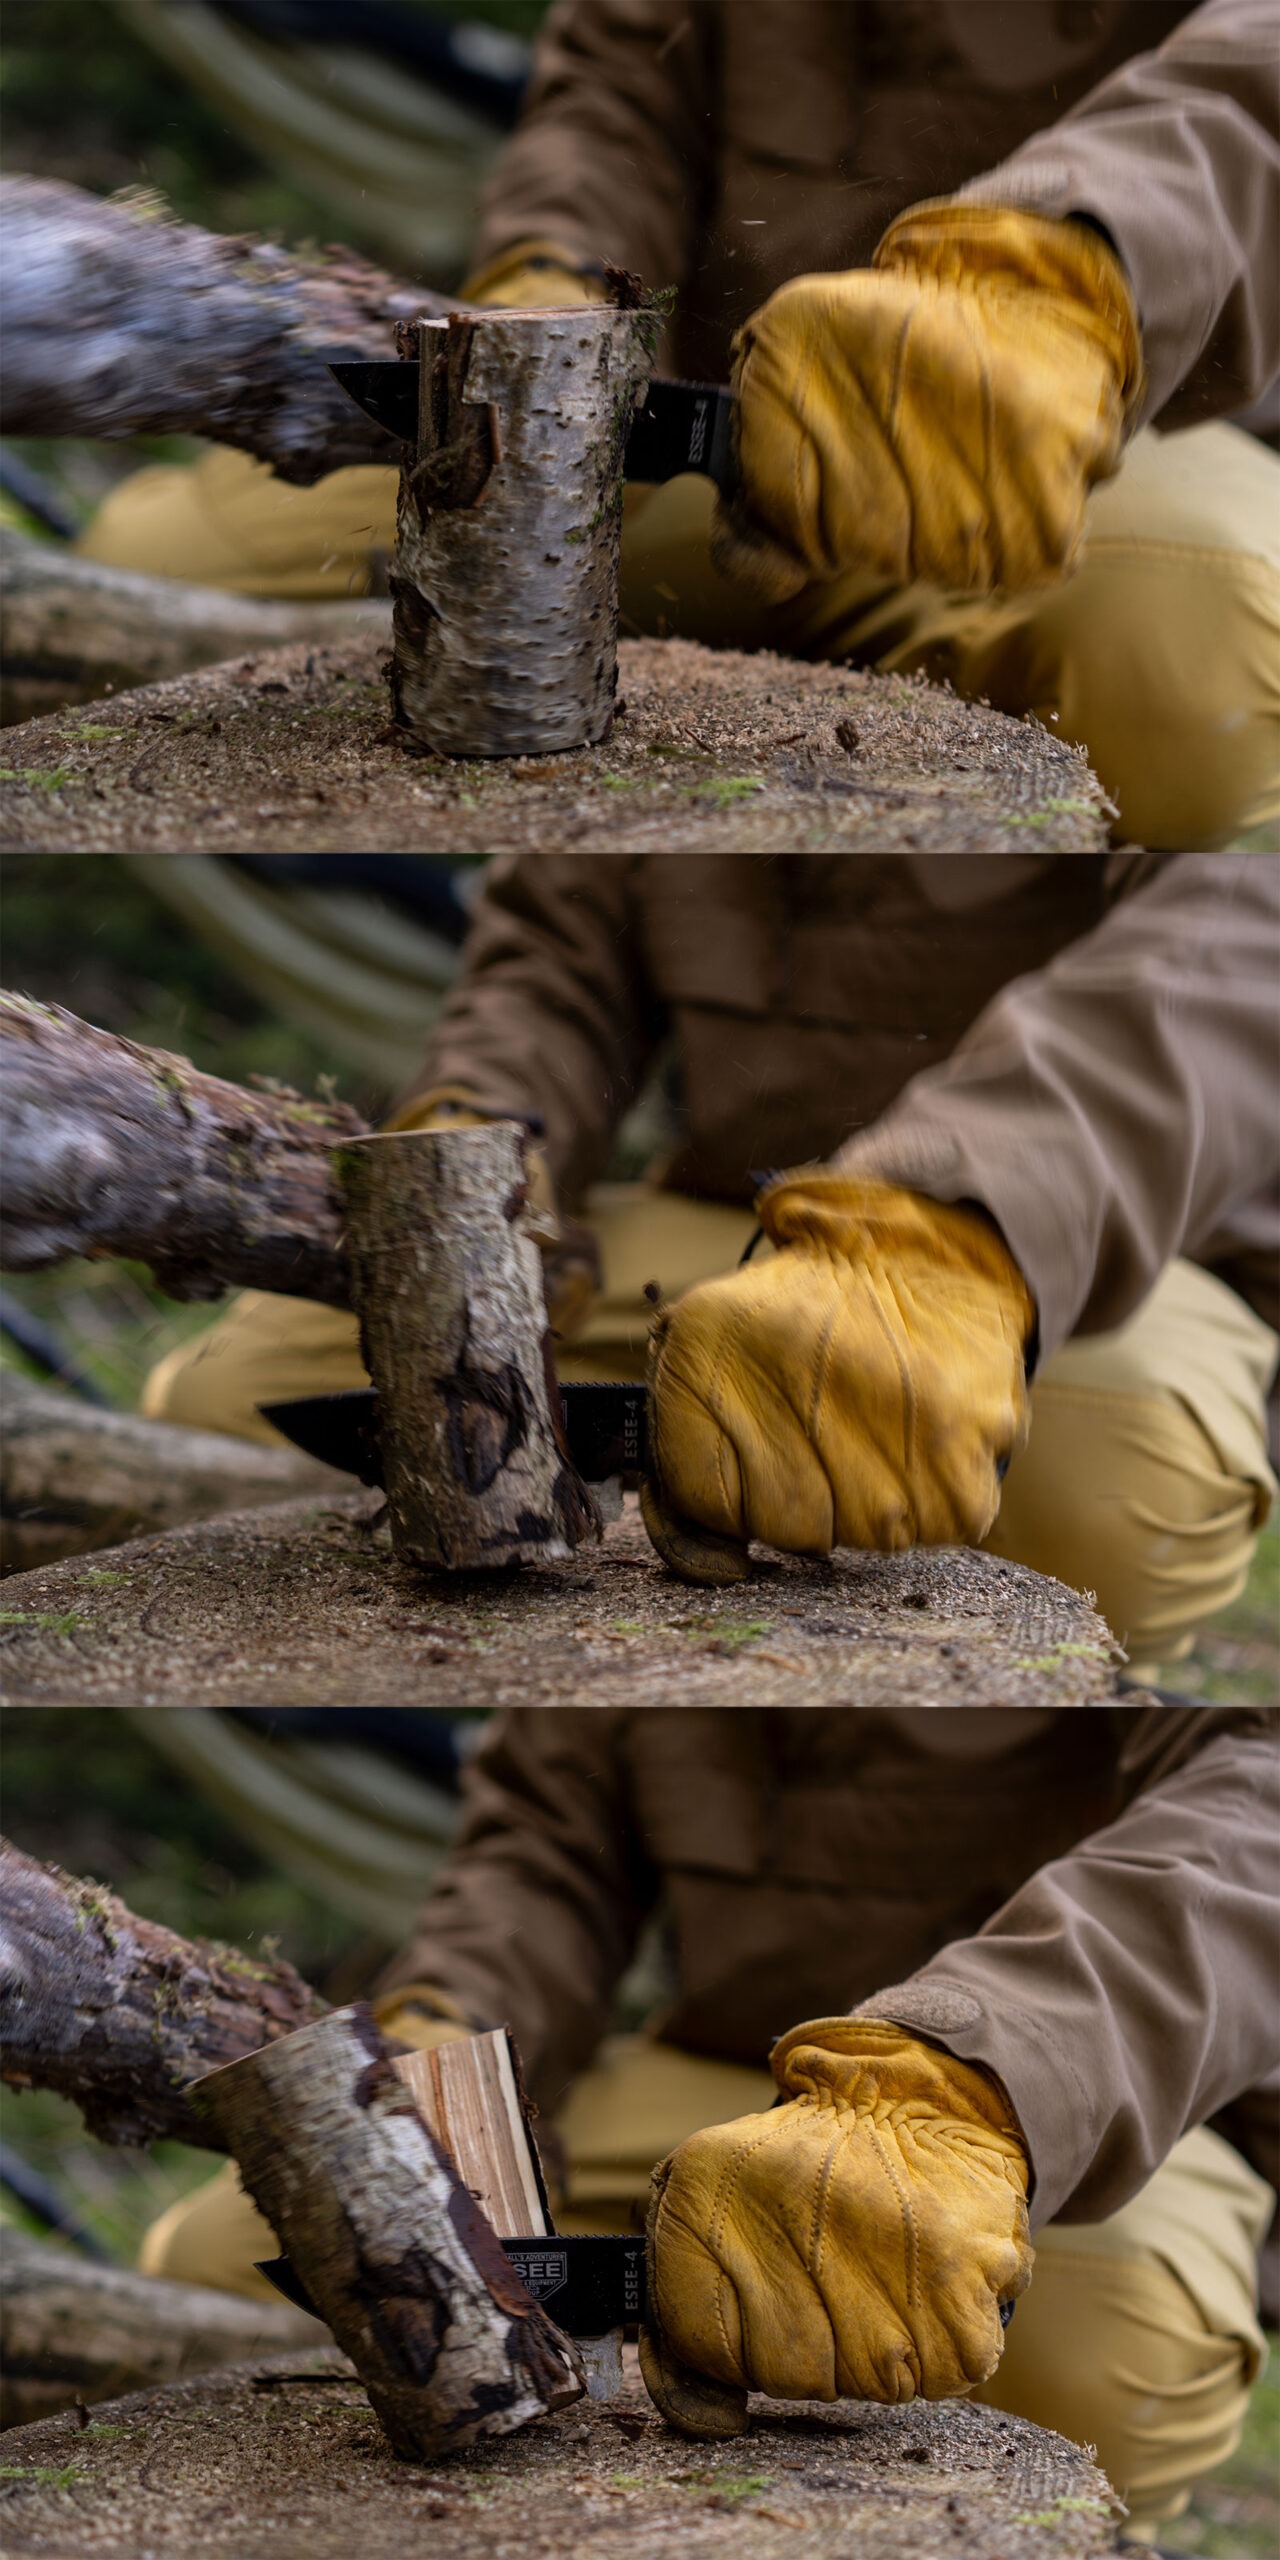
pixel 730 2177
pixel 820 2194
pixel 904 1472
pixel 910 2234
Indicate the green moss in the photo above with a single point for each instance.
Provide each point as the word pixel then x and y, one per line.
pixel 45 1619
pixel 34 778
pixel 40 2476
pixel 725 788
pixel 98 1574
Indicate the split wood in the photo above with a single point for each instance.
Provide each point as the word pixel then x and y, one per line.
pixel 393 2250
pixel 447 1281
pixel 505 580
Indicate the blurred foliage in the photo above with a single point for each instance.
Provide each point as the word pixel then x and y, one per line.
pixel 128 120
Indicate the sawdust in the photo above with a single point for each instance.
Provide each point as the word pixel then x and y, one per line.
pixel 304 1604
pixel 285 2456
pixel 292 750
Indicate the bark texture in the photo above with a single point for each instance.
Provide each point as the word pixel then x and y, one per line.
pixel 119 321
pixel 110 1148
pixel 71 2329
pixel 447 1281
pixel 74 1477
pixel 307 1603
pixel 74 631
pixel 391 2246
pixel 284 2457
pixel 120 2014
pixel 505 581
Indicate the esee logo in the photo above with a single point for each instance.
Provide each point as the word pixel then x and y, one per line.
pixel 541 2271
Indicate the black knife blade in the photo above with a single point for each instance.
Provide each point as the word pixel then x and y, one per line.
pixel 590 2283
pixel 606 1429
pixel 682 426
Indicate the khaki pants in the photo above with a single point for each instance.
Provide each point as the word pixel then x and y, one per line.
pixel 1160 656
pixel 1145 1479
pixel 1139 2335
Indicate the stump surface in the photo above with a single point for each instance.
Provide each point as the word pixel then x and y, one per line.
pixel 292 751
pixel 304 1604
pixel 286 2456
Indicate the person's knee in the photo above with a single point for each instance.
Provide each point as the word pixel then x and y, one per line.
pixel 1113 2352
pixel 1126 1496
pixel 264 1350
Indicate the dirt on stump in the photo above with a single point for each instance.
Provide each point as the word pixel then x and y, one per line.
pixel 286 2456
pixel 711 751
pixel 304 1604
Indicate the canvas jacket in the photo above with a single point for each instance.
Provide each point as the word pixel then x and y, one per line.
pixel 1084 1902
pixel 1085 1044
pixel 722 146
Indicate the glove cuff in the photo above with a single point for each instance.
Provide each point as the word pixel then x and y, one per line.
pixel 535 272
pixel 887 2062
pixel 962 244
pixel 841 1214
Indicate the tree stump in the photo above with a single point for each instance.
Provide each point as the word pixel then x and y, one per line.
pixel 285 2456
pixel 710 752
pixel 72 2329
pixel 307 1604
pixel 447 1282
pixel 392 2248
pixel 74 1477
pixel 505 580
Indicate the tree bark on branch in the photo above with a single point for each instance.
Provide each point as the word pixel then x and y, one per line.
pixel 120 321
pixel 110 1148
pixel 118 2013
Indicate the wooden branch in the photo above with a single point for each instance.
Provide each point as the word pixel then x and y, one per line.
pixel 119 321
pixel 73 2329
pixel 110 1148
pixel 447 1281
pixel 74 630
pixel 389 2243
pixel 505 580
pixel 74 1477
pixel 120 2014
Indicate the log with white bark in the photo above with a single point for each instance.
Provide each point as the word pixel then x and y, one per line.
pixel 120 321
pixel 120 2014
pixel 505 581
pixel 111 1148
pixel 393 2250
pixel 446 1278
pixel 72 2330
pixel 74 1477
pixel 73 630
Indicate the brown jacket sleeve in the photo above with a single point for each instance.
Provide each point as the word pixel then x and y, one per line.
pixel 1127 1992
pixel 551 1015
pixel 1177 155
pixel 535 1914
pixel 611 156
pixel 1112 1108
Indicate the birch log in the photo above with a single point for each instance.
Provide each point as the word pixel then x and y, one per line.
pixel 447 1281
pixel 505 582
pixel 119 321
pixel 118 2013
pixel 110 1148
pixel 392 2248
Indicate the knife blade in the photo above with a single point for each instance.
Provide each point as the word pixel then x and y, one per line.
pixel 595 2281
pixel 606 1429
pixel 682 426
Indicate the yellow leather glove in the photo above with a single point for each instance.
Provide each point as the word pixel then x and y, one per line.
pixel 856 2243
pixel 864 1387
pixel 570 1256
pixel 416 2014
pixel 532 273
pixel 941 415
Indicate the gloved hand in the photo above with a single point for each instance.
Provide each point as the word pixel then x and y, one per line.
pixel 865 1387
pixel 856 2243
pixel 416 2014
pixel 532 273
pixel 941 415
pixel 570 1256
